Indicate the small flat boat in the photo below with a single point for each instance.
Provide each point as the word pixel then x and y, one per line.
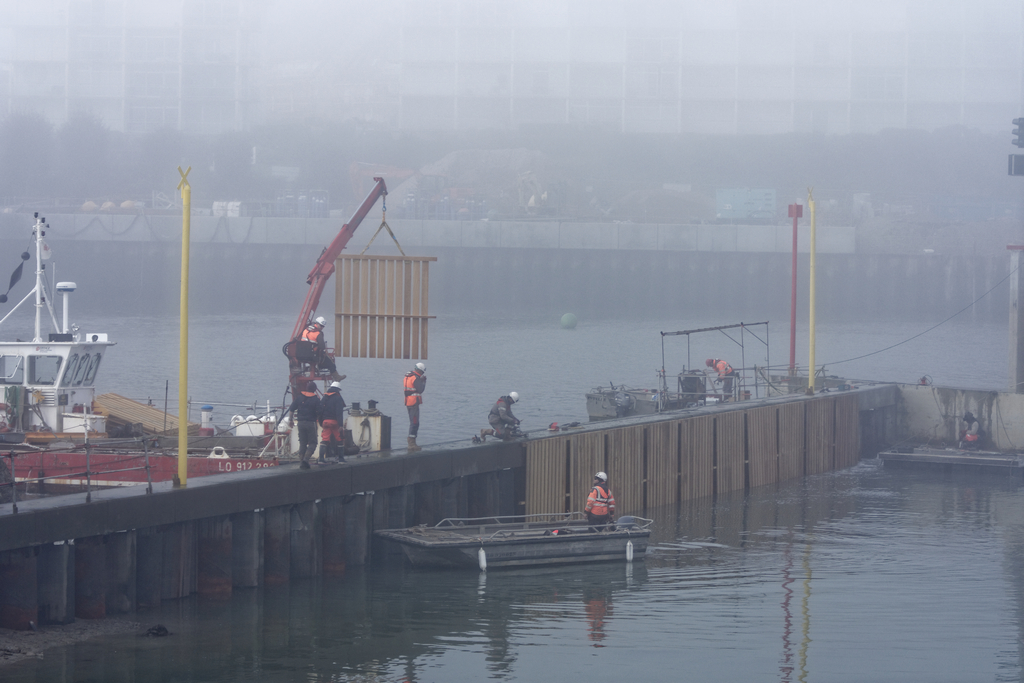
pixel 521 541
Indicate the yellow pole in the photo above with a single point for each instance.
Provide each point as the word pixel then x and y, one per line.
pixel 810 362
pixel 186 214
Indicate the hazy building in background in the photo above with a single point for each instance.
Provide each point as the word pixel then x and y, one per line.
pixel 662 66
pixel 136 65
pixel 745 66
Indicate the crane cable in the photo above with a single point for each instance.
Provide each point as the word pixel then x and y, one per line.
pixel 939 324
pixel 383 225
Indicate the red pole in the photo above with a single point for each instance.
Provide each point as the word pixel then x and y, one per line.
pixel 795 211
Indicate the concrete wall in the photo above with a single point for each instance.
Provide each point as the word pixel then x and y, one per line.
pixel 435 234
pixel 934 415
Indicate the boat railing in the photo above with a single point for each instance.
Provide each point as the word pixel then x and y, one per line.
pixel 88 472
pixel 523 521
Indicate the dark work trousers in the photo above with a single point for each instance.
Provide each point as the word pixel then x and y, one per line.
pixel 307 439
pixel 414 419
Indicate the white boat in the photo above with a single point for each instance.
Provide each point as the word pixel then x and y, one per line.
pixel 49 383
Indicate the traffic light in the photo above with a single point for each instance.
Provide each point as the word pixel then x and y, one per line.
pixel 1018 132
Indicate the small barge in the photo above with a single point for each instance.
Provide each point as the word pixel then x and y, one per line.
pixel 926 457
pixel 521 541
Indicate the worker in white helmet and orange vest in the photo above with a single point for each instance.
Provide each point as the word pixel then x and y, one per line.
pixel 314 334
pixel 600 508
pixel 415 382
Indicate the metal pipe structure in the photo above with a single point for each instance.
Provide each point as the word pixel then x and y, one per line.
pixel 796 211
pixel 186 214
pixel 811 321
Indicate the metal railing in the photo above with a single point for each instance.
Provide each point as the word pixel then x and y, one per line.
pixel 88 472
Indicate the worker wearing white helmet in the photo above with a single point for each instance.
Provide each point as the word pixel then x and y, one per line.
pixel 314 334
pixel 332 416
pixel 501 419
pixel 415 382
pixel 600 508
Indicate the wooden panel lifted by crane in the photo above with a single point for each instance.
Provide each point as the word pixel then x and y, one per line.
pixel 381 306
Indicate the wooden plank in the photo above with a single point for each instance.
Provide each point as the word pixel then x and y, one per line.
pixel 415 333
pixel 662 464
pixel 545 476
pixel 406 306
pixel 371 308
pixel 426 307
pixel 389 308
pixel 364 322
pixel 341 304
pixel 847 436
pixel 586 457
pixel 791 440
pixel 626 469
pixel 820 437
pixel 382 289
pixel 762 445
pixel 730 451
pixel 123 411
pixel 698 458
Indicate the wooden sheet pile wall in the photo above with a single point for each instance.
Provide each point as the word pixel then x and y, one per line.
pixel 730 451
pixel 665 463
pixel 381 306
pixel 762 445
pixel 847 431
pixel 698 463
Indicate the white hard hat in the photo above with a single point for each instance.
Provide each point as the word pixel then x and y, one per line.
pixel 320 320
pixel 336 385
pixel 514 396
pixel 602 476
pixel 421 367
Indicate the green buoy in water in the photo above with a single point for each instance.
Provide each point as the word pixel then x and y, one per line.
pixel 568 321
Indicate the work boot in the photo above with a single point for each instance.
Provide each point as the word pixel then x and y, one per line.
pixel 412 445
pixel 322 458
pixel 336 377
pixel 303 465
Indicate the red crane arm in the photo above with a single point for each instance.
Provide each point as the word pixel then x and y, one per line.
pixel 324 267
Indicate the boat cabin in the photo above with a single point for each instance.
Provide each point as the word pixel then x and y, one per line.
pixel 47 388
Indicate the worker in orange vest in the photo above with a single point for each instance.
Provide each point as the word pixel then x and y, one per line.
pixel 314 334
pixel 600 508
pixel 725 375
pixel 415 383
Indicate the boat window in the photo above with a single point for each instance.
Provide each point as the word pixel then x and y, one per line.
pixel 69 370
pixel 82 369
pixel 43 369
pixel 12 370
pixel 90 374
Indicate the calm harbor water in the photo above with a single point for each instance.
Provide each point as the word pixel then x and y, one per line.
pixel 860 575
pixel 473 360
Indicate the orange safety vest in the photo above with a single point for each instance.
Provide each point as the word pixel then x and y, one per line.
pixel 723 368
pixel 600 501
pixel 310 335
pixel 411 397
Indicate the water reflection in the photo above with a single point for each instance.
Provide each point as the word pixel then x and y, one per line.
pixel 859 575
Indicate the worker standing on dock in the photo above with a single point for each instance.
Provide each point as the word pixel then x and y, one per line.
pixel 332 416
pixel 725 375
pixel 415 383
pixel 600 508
pixel 314 334
pixel 501 418
pixel 306 407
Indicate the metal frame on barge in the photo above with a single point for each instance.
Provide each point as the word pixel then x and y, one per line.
pixel 521 541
